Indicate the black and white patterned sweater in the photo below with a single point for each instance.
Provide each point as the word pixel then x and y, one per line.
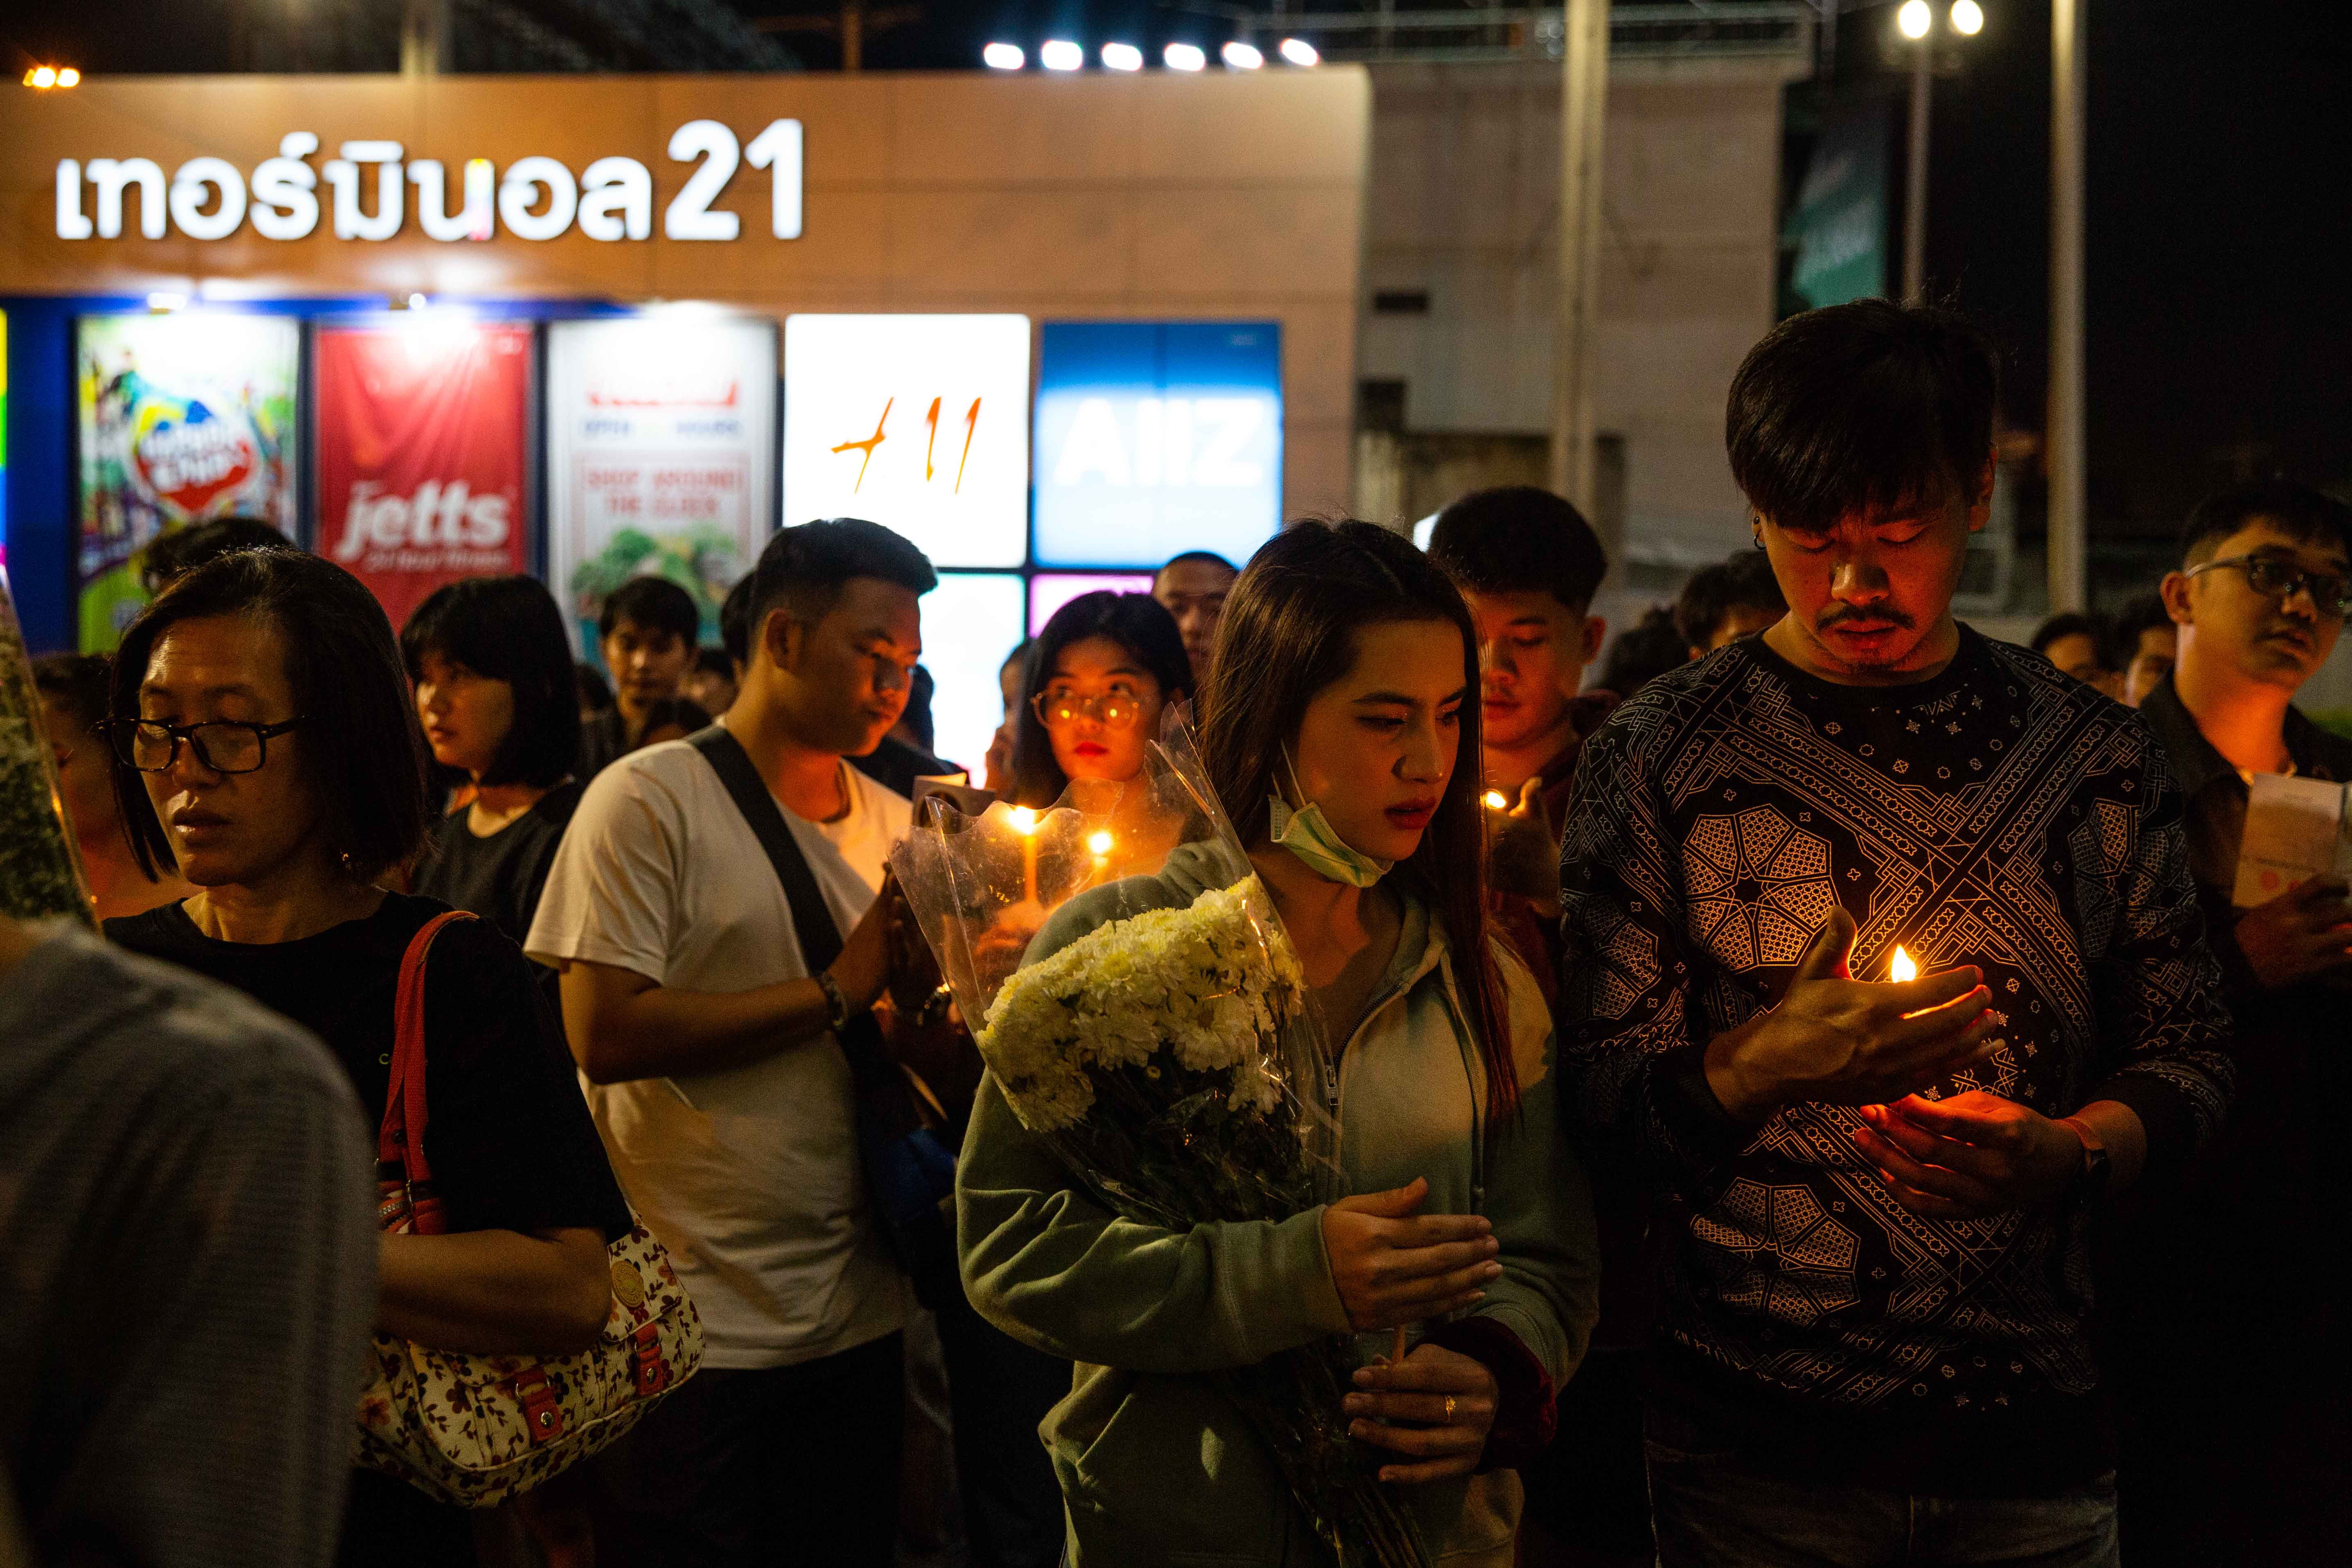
pixel 1999 814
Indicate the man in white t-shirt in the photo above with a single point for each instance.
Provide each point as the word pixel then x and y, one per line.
pixel 716 1079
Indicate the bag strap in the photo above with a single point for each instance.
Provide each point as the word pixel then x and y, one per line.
pixel 401 1140
pixel 820 939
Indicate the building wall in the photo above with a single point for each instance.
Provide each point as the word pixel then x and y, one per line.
pixel 1157 196
pixel 1464 203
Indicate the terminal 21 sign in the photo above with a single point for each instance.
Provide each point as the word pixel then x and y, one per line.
pixel 537 198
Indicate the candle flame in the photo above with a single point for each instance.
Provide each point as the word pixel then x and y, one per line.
pixel 1099 843
pixel 1496 801
pixel 1901 968
pixel 1023 820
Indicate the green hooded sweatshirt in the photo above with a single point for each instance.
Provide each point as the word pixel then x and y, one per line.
pixel 1156 1466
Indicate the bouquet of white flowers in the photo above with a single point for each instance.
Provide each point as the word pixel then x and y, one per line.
pixel 1166 1056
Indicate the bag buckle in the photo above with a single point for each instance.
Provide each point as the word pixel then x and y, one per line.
pixel 645 1356
pixel 542 1415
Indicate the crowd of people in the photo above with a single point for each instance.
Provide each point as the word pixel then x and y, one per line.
pixel 1807 1079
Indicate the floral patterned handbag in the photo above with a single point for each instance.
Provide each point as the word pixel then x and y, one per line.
pixel 475 1429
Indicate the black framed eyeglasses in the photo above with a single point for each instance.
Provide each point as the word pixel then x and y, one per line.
pixel 2280 580
pixel 221 745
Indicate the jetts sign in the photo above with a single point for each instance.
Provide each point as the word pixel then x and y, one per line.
pixel 536 199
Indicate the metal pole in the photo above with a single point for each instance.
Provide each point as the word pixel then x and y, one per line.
pixel 2068 461
pixel 1915 194
pixel 1584 101
pixel 424 38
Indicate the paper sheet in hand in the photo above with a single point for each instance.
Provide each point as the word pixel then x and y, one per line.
pixel 2294 830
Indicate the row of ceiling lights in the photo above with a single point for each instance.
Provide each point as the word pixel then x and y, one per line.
pixel 1063 55
pixel 47 77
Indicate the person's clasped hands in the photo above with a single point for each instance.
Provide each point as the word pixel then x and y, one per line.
pixel 1394 1265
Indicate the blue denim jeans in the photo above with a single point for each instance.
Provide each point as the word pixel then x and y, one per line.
pixel 1711 1510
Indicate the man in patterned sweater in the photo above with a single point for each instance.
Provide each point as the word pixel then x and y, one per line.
pixel 1874 1343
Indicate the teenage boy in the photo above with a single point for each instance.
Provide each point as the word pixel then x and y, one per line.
pixel 1736 597
pixel 2230 1319
pixel 713 1072
pixel 646 633
pixel 1192 589
pixel 1529 564
pixel 2146 643
pixel 1873 1342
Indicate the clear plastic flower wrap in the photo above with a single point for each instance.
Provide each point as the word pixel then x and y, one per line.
pixel 1161 1045
pixel 40 865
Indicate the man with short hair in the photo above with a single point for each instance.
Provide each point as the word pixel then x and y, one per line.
pixel 2145 644
pixel 647 632
pixel 1736 597
pixel 1528 565
pixel 1874 1339
pixel 2230 1317
pixel 2077 646
pixel 1192 589
pixel 714 1076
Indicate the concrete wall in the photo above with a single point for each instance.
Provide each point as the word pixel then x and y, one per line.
pixel 1465 202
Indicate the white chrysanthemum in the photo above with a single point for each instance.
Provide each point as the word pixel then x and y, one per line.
pixel 1207 983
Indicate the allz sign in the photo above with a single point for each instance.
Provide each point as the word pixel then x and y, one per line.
pixel 537 198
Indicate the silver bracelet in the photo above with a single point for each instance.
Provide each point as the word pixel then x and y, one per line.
pixel 837 1005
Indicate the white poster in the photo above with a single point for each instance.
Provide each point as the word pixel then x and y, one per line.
pixel 918 423
pixel 661 448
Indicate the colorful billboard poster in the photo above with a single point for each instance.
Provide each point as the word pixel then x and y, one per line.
pixel 420 448
pixel 4 444
pixel 661 456
pixel 1156 437
pixel 184 419
pixel 918 423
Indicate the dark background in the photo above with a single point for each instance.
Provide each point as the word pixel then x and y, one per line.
pixel 2219 208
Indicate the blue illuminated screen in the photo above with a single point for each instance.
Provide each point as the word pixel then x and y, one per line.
pixel 1156 437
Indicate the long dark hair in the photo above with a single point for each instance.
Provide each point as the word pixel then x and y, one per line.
pixel 1289 630
pixel 508 629
pixel 1137 622
pixel 362 751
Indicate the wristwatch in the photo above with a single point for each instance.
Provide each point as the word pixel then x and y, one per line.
pixel 837 1005
pixel 2093 1175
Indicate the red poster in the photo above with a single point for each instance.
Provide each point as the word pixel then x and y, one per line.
pixel 422 453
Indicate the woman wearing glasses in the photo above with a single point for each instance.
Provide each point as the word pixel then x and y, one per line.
pixel 1099 679
pixel 264 736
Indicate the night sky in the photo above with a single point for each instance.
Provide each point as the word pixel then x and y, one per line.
pixel 2220 204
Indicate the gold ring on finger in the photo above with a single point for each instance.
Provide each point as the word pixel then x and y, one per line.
pixel 1449 1407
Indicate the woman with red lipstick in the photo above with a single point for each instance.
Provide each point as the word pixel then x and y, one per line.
pixel 1335 734
pixel 264 738
pixel 1098 680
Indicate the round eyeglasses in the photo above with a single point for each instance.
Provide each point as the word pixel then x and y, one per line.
pixel 2280 580
pixel 1117 709
pixel 221 745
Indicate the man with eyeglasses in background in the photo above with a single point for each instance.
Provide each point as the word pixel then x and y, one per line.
pixel 2228 1327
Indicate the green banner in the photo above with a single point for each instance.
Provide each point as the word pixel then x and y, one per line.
pixel 1838 225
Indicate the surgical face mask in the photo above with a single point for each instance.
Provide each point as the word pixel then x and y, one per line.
pixel 1305 832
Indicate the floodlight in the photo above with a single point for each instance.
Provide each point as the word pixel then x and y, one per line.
pixel 1967 18
pixel 43 76
pixel 1914 18
pixel 68 77
pixel 1003 58
pixel 1183 57
pixel 1122 57
pixel 1061 55
pixel 1299 52
pixel 1241 57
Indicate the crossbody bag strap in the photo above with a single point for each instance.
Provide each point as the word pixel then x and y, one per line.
pixel 820 939
pixel 400 1141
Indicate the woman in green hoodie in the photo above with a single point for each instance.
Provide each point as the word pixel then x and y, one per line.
pixel 1345 703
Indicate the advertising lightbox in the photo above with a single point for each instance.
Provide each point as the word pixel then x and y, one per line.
pixel 971 621
pixel 1049 591
pixel 918 423
pixel 183 418
pixel 421 452
pixel 1156 437
pixel 660 453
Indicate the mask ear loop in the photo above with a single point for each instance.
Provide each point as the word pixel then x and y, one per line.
pixel 1297 790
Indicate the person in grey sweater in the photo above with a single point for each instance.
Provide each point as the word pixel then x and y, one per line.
pixel 187 1265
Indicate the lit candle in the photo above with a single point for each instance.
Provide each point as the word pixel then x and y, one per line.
pixel 1900 969
pixel 1024 823
pixel 1497 801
